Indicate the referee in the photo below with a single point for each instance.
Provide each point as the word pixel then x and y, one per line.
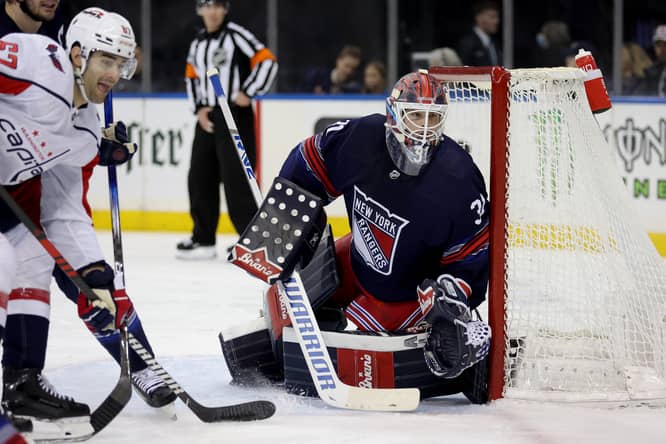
pixel 247 68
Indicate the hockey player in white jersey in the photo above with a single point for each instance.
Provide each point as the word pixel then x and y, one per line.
pixel 54 147
pixel 37 133
pixel 8 433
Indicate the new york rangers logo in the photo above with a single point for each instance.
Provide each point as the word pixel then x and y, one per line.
pixel 376 232
pixel 53 49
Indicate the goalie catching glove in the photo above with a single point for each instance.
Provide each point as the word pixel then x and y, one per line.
pixel 455 341
pixel 113 307
pixel 115 147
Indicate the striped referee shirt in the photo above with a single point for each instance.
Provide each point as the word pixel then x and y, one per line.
pixel 245 64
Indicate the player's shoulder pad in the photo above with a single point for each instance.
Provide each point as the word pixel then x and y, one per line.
pixel 456 162
pixel 38 60
pixel 345 128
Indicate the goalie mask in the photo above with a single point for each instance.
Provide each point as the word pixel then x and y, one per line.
pixel 95 29
pixel 415 114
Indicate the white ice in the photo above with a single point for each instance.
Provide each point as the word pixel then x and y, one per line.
pixel 183 305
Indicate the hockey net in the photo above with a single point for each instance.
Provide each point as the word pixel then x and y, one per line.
pixel 577 295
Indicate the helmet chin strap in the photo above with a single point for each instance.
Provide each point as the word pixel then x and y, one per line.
pixel 78 78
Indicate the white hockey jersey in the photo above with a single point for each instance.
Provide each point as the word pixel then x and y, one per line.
pixel 38 127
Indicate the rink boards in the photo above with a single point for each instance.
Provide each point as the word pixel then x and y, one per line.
pixel 153 186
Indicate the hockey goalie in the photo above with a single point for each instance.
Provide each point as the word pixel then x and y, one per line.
pixel 410 274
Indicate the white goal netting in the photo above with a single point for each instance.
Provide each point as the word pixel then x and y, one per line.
pixel 584 288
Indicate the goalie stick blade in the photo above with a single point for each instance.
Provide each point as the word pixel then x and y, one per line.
pixel 248 411
pixel 110 407
pixel 382 400
pixel 329 387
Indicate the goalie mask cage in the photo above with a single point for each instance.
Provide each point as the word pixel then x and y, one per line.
pixel 577 293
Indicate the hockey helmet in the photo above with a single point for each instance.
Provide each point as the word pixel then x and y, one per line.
pixel 95 29
pixel 415 114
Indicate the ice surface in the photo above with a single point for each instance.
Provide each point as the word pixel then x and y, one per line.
pixel 183 305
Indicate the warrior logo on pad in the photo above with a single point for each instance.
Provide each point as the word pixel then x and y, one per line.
pixel 376 231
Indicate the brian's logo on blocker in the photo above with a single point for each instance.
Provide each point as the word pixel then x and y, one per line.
pixel 256 262
pixel 376 231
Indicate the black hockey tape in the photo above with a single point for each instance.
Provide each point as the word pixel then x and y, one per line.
pixel 284 233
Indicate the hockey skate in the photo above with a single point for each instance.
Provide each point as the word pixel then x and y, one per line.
pixel 194 251
pixel 154 391
pixel 32 402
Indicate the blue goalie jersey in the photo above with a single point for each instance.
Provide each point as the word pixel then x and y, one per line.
pixel 404 228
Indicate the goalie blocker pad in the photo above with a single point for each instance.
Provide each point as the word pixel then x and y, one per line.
pixel 284 233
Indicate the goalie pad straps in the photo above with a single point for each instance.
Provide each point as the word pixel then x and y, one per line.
pixel 284 233
pixel 455 341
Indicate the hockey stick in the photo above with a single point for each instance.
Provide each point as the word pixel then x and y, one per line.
pixel 110 407
pixel 236 412
pixel 118 262
pixel 248 411
pixel 329 386
pixel 122 392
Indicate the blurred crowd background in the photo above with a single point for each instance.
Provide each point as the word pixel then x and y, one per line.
pixel 392 37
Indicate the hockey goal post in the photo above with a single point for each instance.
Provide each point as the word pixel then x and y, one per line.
pixel 577 293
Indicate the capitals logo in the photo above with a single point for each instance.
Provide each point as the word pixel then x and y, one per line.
pixel 53 50
pixel 376 232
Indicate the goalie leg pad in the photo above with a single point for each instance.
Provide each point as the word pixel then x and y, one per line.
pixel 248 352
pixel 321 280
pixel 371 360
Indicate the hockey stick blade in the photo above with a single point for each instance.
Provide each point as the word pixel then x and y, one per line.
pixel 111 406
pixel 330 388
pixel 121 393
pixel 248 411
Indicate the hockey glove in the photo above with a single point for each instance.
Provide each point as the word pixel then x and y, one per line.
pixel 115 147
pixel 455 341
pixel 113 306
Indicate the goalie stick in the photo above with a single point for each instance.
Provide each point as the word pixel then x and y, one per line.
pixel 122 392
pixel 330 388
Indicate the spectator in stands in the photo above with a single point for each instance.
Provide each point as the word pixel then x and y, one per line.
pixel 341 79
pixel 553 42
pixel 374 78
pixel 634 63
pixel 654 82
pixel 444 57
pixel 478 47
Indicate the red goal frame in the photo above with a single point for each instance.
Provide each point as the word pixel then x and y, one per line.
pixel 499 78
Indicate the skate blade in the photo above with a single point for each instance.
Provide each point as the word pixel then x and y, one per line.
pixel 60 430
